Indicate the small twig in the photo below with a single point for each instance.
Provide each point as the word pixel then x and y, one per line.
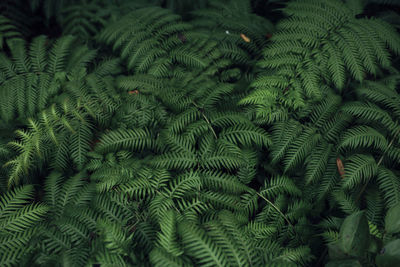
pixel 390 144
pixel 283 215
pixel 206 119
pixel 322 257
pixel 275 207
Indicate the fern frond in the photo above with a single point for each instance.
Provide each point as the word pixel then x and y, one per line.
pixel 363 136
pixel 375 207
pixel 317 162
pixel 167 235
pixel 58 54
pixel 245 135
pixel 300 147
pixel 218 181
pixel 137 139
pixel 199 246
pixel 360 168
pixel 159 257
pixel 279 185
pixel 389 182
pixel 283 135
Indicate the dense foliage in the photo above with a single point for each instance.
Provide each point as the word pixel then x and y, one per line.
pixel 199 133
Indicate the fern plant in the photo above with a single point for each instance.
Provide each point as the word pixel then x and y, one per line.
pixel 150 133
pixel 310 52
pixel 18 220
pixel 40 68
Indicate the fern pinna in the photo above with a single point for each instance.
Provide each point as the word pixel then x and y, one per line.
pixel 151 133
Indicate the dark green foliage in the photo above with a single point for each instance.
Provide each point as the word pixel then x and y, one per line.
pixel 169 133
pixel 319 45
